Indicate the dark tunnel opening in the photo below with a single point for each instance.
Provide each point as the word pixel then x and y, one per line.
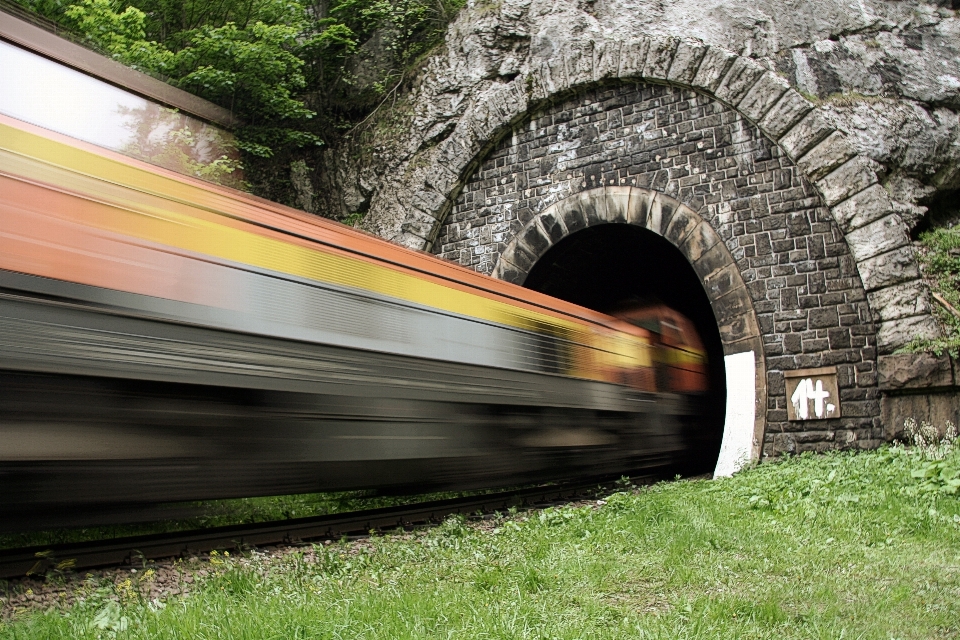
pixel 602 266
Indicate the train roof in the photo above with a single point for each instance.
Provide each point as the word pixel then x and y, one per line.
pixel 36 35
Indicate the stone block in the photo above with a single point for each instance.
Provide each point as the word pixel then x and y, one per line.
pixel 508 272
pixel 683 221
pixel 519 257
pixel 785 114
pixel 661 212
pixel 633 54
pixel 739 328
pixel 886 269
pixel 894 334
pixel 913 371
pixel 429 201
pixel 805 135
pixel 639 207
pixel 713 259
pixel 862 208
pixel 880 236
pixel 551 223
pixel 712 68
pixel 572 216
pixel 851 177
pixel 826 156
pixel 538 84
pixel 899 301
pixel 554 75
pixel 618 203
pixel 659 57
pixel 700 240
pixel 410 241
pixel 823 318
pixel 722 281
pixel 419 228
pixel 606 59
pixel 511 100
pixel 935 408
pixel 534 239
pixel 732 304
pixel 762 96
pixel 686 61
pixel 579 60
pixel 743 74
pixel 593 206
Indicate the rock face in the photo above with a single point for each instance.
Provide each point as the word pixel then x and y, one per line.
pixel 850 107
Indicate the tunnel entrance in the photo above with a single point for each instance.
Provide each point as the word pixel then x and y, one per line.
pixel 602 266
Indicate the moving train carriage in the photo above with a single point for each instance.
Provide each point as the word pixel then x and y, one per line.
pixel 680 357
pixel 163 338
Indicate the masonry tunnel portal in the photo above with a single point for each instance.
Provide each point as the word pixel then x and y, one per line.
pixel 603 266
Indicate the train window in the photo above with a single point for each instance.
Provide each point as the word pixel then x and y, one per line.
pixel 50 95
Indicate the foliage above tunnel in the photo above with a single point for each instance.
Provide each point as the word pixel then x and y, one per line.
pixel 287 68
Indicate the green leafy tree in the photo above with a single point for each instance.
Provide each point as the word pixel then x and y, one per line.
pixel 282 66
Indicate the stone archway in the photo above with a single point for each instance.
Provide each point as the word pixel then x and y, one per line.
pixel 413 204
pixel 700 244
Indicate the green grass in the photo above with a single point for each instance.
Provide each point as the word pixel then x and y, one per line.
pixel 834 546
pixel 940 262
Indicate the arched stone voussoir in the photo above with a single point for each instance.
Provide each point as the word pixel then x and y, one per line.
pixel 824 155
pixel 656 212
pixel 685 229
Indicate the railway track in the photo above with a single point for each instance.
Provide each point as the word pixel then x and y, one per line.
pixel 34 561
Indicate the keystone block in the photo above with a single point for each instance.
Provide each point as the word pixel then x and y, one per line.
pixel 573 218
pixel 633 53
pixel 639 209
pixel 618 203
pixel 593 206
pixel 579 64
pixel 606 59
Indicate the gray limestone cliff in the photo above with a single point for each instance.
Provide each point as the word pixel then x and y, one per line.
pixel 885 72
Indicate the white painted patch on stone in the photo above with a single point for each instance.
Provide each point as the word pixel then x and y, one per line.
pixel 737 445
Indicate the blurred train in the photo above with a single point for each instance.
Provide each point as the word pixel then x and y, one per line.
pixel 164 338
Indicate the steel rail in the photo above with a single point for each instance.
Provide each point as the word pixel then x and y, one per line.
pixel 34 561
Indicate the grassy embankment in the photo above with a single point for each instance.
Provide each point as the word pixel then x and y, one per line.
pixel 835 546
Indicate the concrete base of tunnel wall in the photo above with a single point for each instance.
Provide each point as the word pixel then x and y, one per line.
pixel 737 447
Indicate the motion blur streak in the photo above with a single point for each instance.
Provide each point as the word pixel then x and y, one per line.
pixel 166 339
